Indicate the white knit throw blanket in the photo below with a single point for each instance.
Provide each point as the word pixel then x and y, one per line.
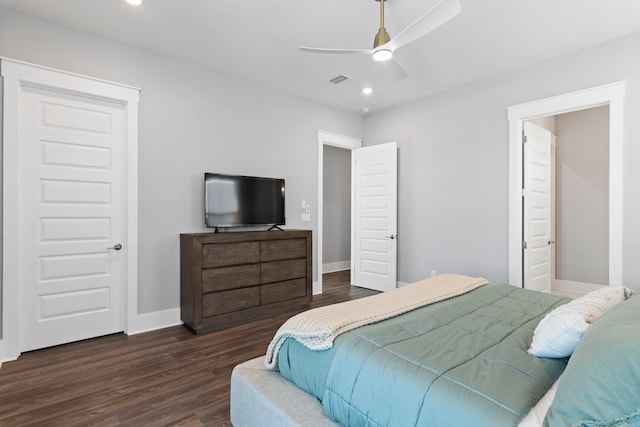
pixel 316 329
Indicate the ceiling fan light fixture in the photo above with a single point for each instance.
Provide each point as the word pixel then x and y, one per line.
pixel 384 46
pixel 382 55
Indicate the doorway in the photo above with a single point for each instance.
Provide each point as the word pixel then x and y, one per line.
pixel 336 248
pixel 373 214
pixel 611 95
pixel 329 139
pixel 565 218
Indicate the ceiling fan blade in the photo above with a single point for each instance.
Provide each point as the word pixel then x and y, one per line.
pixel 435 17
pixel 320 50
pixel 395 69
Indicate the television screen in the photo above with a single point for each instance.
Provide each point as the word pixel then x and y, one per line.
pixel 231 200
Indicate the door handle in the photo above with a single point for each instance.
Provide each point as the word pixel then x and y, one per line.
pixel 116 247
pixel 393 236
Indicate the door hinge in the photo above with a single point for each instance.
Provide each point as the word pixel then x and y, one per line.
pixel 524 245
pixel 524 138
pixel 524 192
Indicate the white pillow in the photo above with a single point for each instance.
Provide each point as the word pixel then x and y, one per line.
pixel 559 332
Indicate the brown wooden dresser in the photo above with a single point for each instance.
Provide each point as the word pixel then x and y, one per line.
pixel 231 278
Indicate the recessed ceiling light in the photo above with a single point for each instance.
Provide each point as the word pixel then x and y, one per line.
pixel 367 91
pixel 134 2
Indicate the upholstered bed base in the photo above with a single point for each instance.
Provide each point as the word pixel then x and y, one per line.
pixel 261 397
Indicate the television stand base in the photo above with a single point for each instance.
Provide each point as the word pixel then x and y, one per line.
pixel 276 227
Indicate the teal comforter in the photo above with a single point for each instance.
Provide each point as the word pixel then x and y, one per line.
pixel 459 362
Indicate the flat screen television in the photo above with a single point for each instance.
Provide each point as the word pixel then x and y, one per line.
pixel 236 201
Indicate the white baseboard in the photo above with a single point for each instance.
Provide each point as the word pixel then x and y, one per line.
pixel 7 357
pixel 143 323
pixel 575 287
pixel 330 267
pixel 146 322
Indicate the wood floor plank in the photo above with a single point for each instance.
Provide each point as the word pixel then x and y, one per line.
pixel 168 377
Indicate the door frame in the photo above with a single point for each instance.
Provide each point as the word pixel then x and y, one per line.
pixel 340 141
pixel 17 74
pixel 610 94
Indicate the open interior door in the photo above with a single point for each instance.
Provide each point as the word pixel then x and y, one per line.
pixel 375 216
pixel 537 208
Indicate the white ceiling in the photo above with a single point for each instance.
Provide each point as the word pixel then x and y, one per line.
pixel 257 39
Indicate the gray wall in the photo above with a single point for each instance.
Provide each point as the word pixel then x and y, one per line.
pixel 453 162
pixel 192 120
pixel 582 196
pixel 336 216
pixel 453 148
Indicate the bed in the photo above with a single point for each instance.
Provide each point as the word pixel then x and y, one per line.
pixel 457 360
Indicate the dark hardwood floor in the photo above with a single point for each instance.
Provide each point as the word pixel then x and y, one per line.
pixel 168 377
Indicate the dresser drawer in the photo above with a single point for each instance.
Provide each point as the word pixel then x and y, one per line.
pixel 278 271
pixel 283 249
pixel 282 291
pixel 224 254
pixel 227 301
pixel 223 278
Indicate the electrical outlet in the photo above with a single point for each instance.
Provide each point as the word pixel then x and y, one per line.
pixel 305 217
pixel 433 273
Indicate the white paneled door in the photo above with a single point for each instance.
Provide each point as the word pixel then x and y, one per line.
pixel 537 208
pixel 376 216
pixel 71 217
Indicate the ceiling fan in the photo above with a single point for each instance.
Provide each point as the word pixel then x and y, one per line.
pixel 384 45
